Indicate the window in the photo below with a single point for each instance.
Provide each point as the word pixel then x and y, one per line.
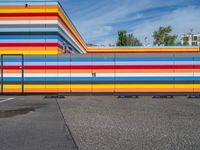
pixel 195 38
pixel 185 39
pixel 194 43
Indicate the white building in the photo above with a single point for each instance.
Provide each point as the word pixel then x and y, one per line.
pixel 190 39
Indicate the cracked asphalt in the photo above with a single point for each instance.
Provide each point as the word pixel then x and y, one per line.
pixel 99 123
pixel 33 123
pixel 109 123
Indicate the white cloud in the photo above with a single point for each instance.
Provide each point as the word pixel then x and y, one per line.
pixel 98 21
pixel 182 20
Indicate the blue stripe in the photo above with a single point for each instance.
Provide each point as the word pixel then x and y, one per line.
pixel 28 30
pixel 44 60
pixel 102 79
pixel 158 59
pixel 5 59
pixel 30 2
pixel 12 79
pixel 107 79
pixel 80 60
pixel 87 59
pixel 28 37
pixel 35 79
pixel 90 59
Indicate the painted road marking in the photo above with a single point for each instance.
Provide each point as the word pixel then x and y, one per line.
pixel 6 100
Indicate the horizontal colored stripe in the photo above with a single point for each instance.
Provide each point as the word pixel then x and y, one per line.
pixel 29 44
pixel 117 75
pixel 102 79
pixel 28 36
pixel 27 14
pixel 133 60
pixel 110 67
pixel 28 10
pixel 151 86
pixel 136 86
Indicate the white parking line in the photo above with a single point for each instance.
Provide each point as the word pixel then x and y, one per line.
pixel 5 100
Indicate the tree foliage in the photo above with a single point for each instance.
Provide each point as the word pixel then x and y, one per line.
pixel 122 40
pixel 125 39
pixel 162 37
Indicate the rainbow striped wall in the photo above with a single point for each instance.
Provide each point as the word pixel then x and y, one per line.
pixel 42 52
pixel 36 28
pixel 112 73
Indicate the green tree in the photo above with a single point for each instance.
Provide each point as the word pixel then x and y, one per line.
pixel 162 37
pixel 133 41
pixel 122 40
pixel 127 40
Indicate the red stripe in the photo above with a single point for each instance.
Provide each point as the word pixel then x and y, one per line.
pixel 29 44
pixel 108 67
pixel 11 67
pixel 113 52
pixel 27 14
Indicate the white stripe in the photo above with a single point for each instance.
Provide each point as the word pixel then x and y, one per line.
pixel 29 22
pixel 59 75
pixel 146 74
pixel 12 75
pixel 110 75
pixel 154 74
pixel 47 75
pixel 8 99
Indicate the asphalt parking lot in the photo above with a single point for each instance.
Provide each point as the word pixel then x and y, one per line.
pixel 105 123
pixel 99 123
pixel 32 123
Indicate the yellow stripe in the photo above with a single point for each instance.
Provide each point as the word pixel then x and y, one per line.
pixel 11 86
pixel 139 50
pixel 32 86
pixel 28 10
pixel 30 52
pixel 43 52
pixel 103 86
pixel 111 86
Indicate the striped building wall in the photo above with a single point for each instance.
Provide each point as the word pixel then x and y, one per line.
pixel 36 27
pixel 111 73
pixel 42 52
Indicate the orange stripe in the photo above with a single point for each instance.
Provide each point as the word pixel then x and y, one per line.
pixel 154 90
pixel 12 90
pixel 34 90
pixel 34 71
pixel 103 90
pixel 81 90
pixel 64 90
pixel 13 71
pixel 28 48
pixel 134 50
pixel 30 6
pixel 28 18
pixel 196 89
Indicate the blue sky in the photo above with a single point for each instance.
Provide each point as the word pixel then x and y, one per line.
pixel 99 20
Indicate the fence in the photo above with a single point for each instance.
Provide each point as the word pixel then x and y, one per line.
pixel 174 73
